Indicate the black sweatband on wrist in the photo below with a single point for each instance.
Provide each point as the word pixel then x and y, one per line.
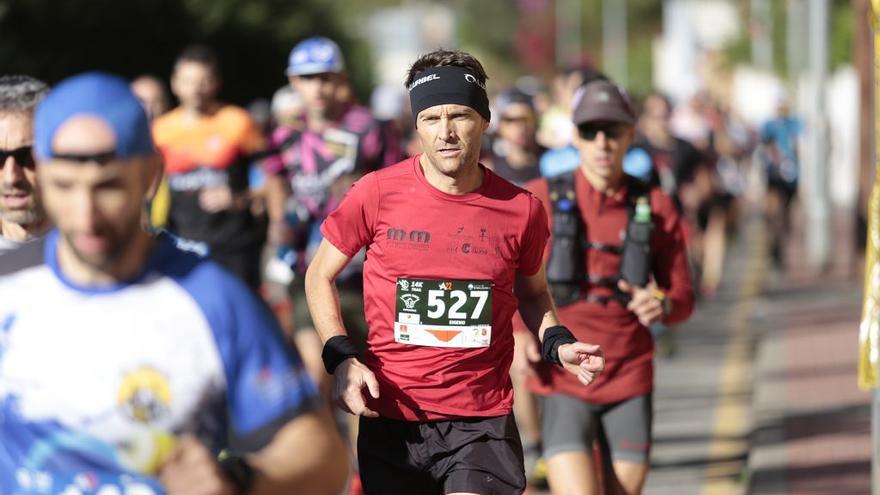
pixel 336 350
pixel 448 85
pixel 554 337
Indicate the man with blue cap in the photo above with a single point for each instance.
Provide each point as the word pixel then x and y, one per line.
pixel 151 361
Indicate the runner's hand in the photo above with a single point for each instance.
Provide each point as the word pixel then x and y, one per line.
pixel 585 361
pixel 647 308
pixel 279 233
pixel 352 377
pixel 191 469
pixel 216 198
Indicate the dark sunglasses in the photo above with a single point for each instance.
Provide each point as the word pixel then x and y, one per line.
pixel 23 156
pixel 611 131
pixel 101 158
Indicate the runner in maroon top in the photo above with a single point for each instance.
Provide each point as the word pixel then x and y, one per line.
pixel 452 251
pixel 608 310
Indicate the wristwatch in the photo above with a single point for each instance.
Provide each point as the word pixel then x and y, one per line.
pixel 666 303
pixel 239 472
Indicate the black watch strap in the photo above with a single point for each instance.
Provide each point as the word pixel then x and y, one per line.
pixel 239 472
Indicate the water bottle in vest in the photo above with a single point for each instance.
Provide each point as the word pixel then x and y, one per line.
pixel 635 263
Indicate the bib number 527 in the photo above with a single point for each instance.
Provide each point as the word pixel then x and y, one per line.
pixel 437 304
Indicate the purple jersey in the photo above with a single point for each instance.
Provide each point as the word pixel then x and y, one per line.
pixel 315 162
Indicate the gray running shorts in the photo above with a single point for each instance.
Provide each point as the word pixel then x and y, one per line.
pixel 569 424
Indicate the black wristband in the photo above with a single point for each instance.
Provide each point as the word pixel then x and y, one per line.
pixel 336 350
pixel 238 471
pixel 553 338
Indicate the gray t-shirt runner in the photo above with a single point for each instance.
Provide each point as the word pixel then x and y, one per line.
pixel 9 245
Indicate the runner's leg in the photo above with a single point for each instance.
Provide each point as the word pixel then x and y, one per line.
pixel 572 473
pixel 569 427
pixel 628 429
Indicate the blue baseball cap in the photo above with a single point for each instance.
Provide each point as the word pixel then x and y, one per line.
pixel 98 94
pixel 314 56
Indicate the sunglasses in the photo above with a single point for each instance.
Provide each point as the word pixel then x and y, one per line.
pixel 611 131
pixel 22 156
pixel 515 119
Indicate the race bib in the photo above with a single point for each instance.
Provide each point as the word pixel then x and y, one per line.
pixel 443 313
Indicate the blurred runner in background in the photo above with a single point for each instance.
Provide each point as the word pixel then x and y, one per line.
pixel 616 264
pixel 21 213
pixel 153 95
pixel 207 147
pixel 779 154
pixel 311 170
pixel 515 150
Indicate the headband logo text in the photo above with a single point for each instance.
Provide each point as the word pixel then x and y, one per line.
pixel 471 79
pixel 428 78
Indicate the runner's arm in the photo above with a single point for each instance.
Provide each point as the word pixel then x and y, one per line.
pixel 321 292
pixel 535 302
pixel 353 378
pixel 324 469
pixel 277 192
pixel 272 469
pixel 538 312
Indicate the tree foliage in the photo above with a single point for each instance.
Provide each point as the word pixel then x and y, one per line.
pixel 53 39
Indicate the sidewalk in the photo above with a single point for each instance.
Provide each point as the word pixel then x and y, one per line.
pixel 811 424
pixel 761 397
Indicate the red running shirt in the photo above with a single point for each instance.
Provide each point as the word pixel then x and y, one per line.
pixel 438 287
pixel 628 345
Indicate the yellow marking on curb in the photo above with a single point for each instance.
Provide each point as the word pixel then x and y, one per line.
pixel 729 431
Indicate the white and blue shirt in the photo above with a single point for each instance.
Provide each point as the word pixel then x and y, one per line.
pixel 96 383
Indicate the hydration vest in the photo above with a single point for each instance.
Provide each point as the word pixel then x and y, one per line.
pixel 567 272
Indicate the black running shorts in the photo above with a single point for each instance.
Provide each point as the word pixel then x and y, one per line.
pixel 480 455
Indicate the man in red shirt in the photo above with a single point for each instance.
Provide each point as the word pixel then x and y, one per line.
pixel 602 307
pixel 452 251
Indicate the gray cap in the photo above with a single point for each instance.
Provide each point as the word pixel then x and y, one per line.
pixel 602 100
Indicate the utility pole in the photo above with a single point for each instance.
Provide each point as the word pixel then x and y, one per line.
pixel 569 28
pixel 817 201
pixel 762 33
pixel 796 38
pixel 614 41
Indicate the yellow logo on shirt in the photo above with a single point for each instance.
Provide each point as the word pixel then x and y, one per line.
pixel 144 395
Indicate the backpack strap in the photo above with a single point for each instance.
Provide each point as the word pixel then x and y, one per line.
pixel 566 267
